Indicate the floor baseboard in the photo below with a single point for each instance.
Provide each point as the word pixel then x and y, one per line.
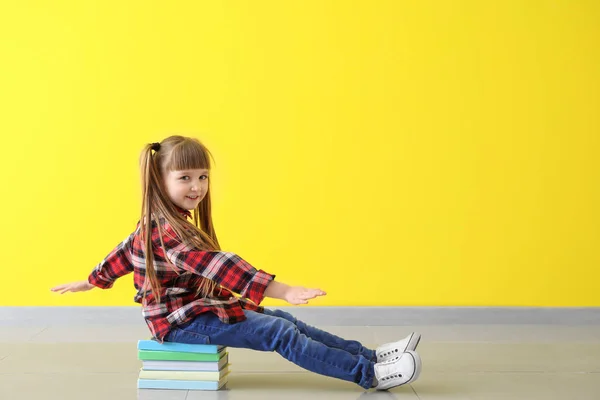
pixel 332 316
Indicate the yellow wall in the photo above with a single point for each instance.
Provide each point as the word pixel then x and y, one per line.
pixel 390 152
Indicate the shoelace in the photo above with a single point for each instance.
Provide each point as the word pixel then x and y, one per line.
pixel 390 361
pixel 388 377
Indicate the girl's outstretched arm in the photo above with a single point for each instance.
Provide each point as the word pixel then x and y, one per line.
pixel 79 286
pixel 115 265
pixel 292 294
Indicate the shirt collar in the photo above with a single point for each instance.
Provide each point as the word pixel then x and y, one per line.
pixel 183 212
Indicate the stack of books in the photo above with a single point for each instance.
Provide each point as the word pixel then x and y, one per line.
pixel 182 366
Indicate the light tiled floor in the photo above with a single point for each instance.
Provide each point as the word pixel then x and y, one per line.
pixel 459 362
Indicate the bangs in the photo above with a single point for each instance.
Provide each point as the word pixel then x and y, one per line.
pixel 188 154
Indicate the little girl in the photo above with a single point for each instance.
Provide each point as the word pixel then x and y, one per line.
pixel 185 283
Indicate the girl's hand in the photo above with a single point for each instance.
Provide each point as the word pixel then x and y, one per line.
pixel 300 295
pixel 80 286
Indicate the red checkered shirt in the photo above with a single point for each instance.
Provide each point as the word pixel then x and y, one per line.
pixel 179 302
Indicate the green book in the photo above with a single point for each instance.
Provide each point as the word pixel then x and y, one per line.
pixel 178 356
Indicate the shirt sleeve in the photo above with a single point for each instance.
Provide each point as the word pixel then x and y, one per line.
pixel 114 266
pixel 227 269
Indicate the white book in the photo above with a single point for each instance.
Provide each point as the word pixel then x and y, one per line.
pixel 149 365
pixel 185 375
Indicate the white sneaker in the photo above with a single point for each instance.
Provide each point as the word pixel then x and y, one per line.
pixel 391 350
pixel 397 371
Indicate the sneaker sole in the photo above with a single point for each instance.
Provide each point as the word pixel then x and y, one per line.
pixel 413 342
pixel 418 365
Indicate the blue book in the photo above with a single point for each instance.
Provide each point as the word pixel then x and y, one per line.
pixel 181 385
pixel 179 347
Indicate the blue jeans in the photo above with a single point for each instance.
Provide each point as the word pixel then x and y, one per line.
pixel 275 330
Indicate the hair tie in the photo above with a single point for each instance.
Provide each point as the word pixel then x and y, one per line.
pixel 156 146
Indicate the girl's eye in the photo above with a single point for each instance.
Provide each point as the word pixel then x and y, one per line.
pixel 187 177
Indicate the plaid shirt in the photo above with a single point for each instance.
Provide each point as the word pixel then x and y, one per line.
pixel 180 280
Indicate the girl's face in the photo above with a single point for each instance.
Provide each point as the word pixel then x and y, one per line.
pixel 187 188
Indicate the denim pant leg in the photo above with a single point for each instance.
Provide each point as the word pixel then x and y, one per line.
pixel 265 332
pixel 351 346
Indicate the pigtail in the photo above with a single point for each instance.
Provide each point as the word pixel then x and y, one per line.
pixel 203 219
pixel 149 178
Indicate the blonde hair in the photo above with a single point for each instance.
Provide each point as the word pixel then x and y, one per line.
pixel 174 153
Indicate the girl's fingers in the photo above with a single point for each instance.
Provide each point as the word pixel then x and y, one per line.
pixel 312 294
pixel 63 288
